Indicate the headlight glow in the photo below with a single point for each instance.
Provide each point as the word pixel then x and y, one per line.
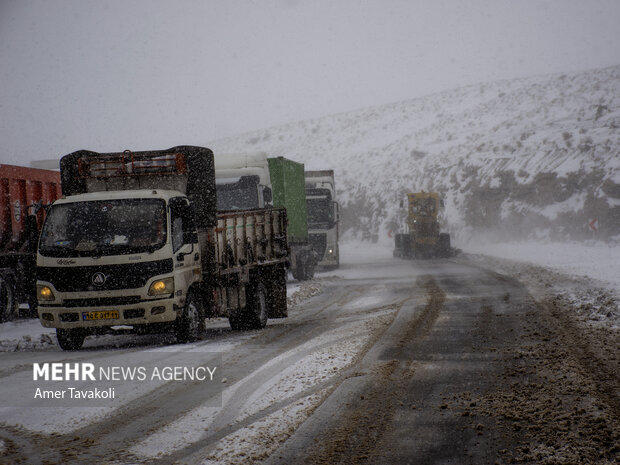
pixel 162 286
pixel 44 293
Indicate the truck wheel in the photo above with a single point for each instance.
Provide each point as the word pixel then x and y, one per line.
pixel 277 294
pixel 297 273
pixel 444 245
pixel 257 311
pixel 191 325
pixel 70 339
pixel 8 303
pixel 310 270
pixel 237 323
pixel 302 272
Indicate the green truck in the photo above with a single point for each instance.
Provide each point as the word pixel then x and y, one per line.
pixel 255 180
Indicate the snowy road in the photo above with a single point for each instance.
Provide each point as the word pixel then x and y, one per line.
pixel 382 361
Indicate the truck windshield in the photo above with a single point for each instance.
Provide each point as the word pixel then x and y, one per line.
pixel 424 206
pixel 320 210
pixel 106 227
pixel 237 196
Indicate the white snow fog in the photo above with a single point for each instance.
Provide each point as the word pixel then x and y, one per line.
pixel 388 229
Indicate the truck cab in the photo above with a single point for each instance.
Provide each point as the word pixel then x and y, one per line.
pixel 137 242
pixel 255 180
pixel 136 251
pixel 323 217
pixel 244 192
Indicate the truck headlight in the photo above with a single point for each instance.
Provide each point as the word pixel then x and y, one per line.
pixel 44 293
pixel 162 287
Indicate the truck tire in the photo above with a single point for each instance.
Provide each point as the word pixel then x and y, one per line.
pixel 191 325
pixel 298 273
pixel 258 312
pixel 8 303
pixel 276 297
pixel 303 271
pixel 444 245
pixel 70 339
pixel 255 313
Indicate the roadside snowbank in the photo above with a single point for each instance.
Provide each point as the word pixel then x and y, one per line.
pixel 585 275
pixel 595 260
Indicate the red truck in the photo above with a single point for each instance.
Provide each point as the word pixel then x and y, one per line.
pixel 24 192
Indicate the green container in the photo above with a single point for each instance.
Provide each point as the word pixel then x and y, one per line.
pixel 289 191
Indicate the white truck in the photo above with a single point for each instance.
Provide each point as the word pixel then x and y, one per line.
pixel 136 241
pixel 323 217
pixel 255 180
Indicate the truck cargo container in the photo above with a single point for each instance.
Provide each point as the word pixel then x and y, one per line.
pixel 24 192
pixel 137 241
pixel 323 217
pixel 251 180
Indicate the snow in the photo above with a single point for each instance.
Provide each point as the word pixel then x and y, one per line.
pixel 261 438
pixel 499 137
pixel 26 335
pixel 595 260
pixel 585 275
pixel 264 407
pixel 308 365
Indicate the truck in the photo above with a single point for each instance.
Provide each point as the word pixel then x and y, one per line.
pixel 423 238
pixel 253 180
pixel 136 242
pixel 323 217
pixel 24 194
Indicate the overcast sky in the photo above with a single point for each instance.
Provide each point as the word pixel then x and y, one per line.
pixel 149 74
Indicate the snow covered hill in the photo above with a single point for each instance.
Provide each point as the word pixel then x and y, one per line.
pixel 531 157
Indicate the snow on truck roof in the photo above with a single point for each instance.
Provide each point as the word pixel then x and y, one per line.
pixel 235 165
pixel 127 194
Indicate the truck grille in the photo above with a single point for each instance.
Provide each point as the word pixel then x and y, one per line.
pixel 103 302
pixel 83 278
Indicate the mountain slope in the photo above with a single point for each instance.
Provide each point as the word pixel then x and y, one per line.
pixel 528 157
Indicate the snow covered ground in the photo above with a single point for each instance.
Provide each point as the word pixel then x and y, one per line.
pixel 584 276
pixel 596 260
pixel 264 407
pixel 587 274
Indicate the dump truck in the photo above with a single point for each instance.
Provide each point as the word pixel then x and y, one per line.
pixel 323 217
pixel 423 238
pixel 137 242
pixel 24 194
pixel 253 180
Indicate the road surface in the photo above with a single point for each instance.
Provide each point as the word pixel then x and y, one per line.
pixel 380 362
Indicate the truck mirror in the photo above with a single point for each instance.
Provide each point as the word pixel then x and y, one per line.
pixel 267 196
pixel 401 203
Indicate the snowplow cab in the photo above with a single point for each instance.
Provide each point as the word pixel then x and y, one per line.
pixel 423 238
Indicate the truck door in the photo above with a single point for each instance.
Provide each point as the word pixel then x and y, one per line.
pixel 184 245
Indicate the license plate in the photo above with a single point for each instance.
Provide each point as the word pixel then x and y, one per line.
pixel 105 315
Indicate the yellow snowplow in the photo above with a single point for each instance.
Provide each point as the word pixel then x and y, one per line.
pixel 423 239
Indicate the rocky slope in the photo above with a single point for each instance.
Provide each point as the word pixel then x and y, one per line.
pixel 530 157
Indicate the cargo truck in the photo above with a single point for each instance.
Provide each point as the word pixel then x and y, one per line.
pixel 136 241
pixel 323 217
pixel 423 238
pixel 252 180
pixel 24 193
